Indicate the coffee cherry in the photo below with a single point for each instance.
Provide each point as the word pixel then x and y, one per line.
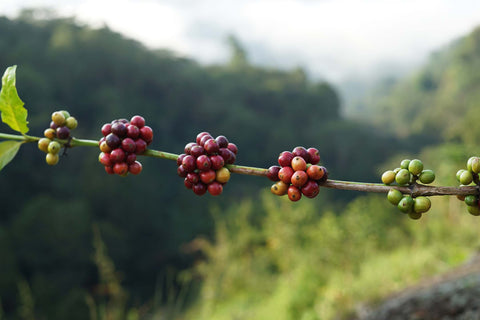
pixel 113 141
pixel 119 129
pixel 71 123
pixel 280 188
pixel 117 155
pixel 140 146
pixel 131 158
pixel 120 168
pixel 128 145
pixel 301 152
pixel 217 162
pixel 106 129
pixel 62 132
pixel 49 133
pixel 325 175
pixel 474 210
pixel 137 121
pixel 222 175
pixel 471 200
pixel 402 177
pixel 52 159
pixel 182 172
pixel 187 184
pixel 427 176
pixel 421 204
pixel 394 196
pixel 211 147
pixel 146 133
pixel 232 147
pixel 475 165
pixel 227 155
pixel 466 177
pixel 135 167
pixel 388 177
pixel 310 189
pixel 43 144
pixel 200 135
pixel 199 188
pixel 314 155
pixel 54 147
pixel 104 147
pixel 215 188
pixel 414 215
pixel 285 158
pixel 415 167
pixel 315 172
pixel 207 176
pixel 58 118
pixel 299 164
pixel 203 162
pixel 404 164
pixel 204 139
pixel 197 150
pixel 406 204
pixel 285 174
pixel 222 141
pixel 299 178
pixel 189 163
pixel 133 132
pixel 294 193
pixel 272 173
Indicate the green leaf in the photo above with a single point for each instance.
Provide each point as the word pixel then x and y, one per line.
pixel 11 107
pixel 8 150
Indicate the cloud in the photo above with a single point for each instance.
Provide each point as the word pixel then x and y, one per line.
pixel 331 38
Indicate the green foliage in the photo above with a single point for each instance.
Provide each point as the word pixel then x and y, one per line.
pixel 278 260
pixel 11 107
pixel 8 150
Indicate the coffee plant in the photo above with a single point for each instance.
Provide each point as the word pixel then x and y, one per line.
pixel 206 163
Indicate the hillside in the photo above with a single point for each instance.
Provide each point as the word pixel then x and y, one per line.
pixel 439 102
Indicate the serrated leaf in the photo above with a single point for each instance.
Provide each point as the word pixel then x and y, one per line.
pixel 8 150
pixel 11 106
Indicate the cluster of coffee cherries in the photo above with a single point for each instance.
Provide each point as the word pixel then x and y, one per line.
pixel 298 173
pixel 122 141
pixel 202 165
pixel 408 173
pixel 60 126
pixel 466 177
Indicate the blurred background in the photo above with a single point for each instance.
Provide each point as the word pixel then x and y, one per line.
pixel 367 83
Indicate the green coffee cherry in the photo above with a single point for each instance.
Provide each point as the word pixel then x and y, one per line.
pixel 394 196
pixel 405 163
pixel 71 123
pixel 421 204
pixel 475 165
pixel 415 167
pixel 471 200
pixel 388 177
pixel 406 204
pixel 52 159
pixel 474 210
pixel 414 215
pixel 459 173
pixel 402 177
pixel 427 176
pixel 65 113
pixel 43 144
pixel 466 177
pixel 54 147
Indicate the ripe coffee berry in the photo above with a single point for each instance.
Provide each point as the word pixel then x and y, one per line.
pixel 203 163
pixel 122 141
pixel 298 173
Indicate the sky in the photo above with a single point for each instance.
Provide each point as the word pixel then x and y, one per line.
pixel 331 39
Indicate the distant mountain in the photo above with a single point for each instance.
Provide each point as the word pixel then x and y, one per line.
pixel 439 102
